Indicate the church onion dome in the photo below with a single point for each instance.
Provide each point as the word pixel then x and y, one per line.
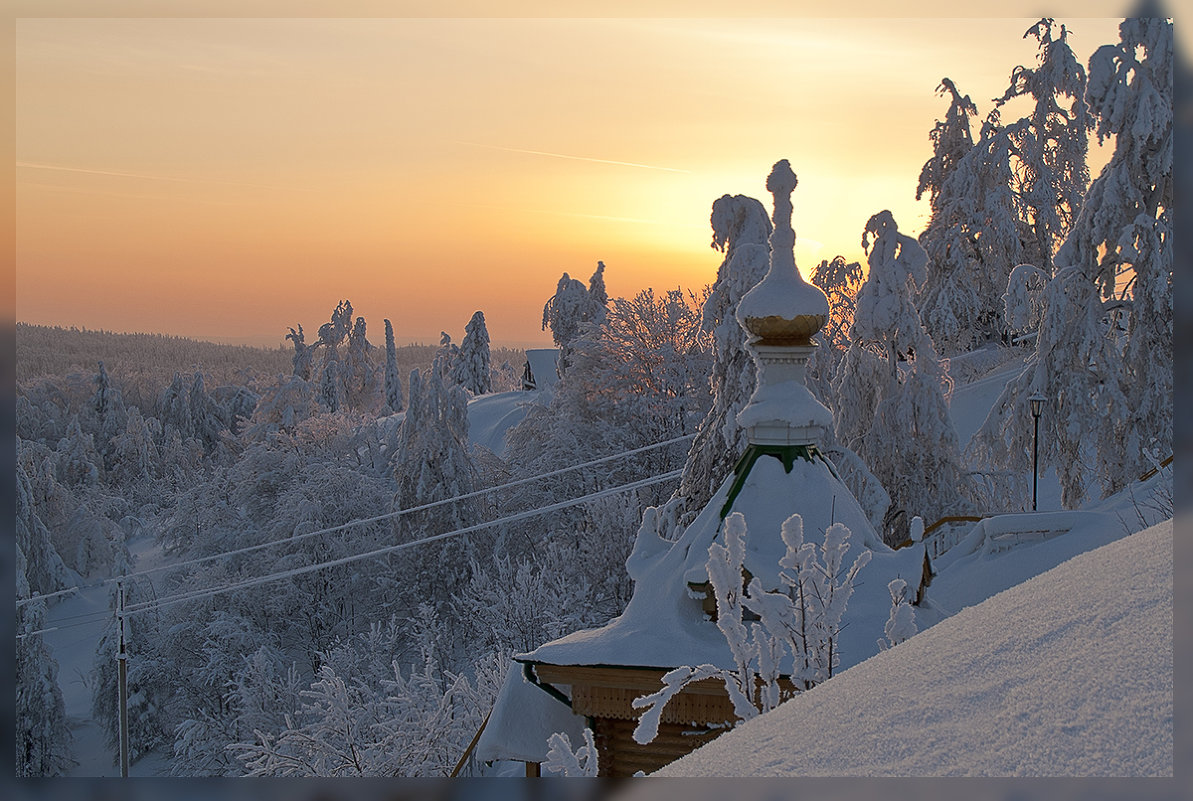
pixel 783 309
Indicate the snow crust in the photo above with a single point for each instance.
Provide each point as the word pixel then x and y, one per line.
pixel 1069 673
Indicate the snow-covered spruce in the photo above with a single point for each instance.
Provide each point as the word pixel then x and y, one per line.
pixel 892 389
pixel 1102 407
pixel 470 369
pixel 741 229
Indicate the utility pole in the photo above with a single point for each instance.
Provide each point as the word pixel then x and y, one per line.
pixel 122 666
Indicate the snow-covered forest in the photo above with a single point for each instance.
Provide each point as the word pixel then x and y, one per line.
pixel 326 554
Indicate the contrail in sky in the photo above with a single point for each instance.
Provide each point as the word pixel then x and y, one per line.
pixel 575 158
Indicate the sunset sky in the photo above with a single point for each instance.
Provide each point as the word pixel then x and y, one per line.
pixel 227 178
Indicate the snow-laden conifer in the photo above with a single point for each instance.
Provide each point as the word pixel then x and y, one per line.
pixel 957 301
pixel 393 380
pixel 974 239
pixel 44 571
pixel 330 386
pixel 597 294
pixel 432 463
pixel 741 229
pixel 42 734
pixel 1023 302
pixel 892 387
pixel 1102 408
pixel 1051 143
pixel 569 310
pixel 359 377
pixel 471 368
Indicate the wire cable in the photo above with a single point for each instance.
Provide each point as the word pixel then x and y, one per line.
pixel 395 514
pixel 210 592
pixel 22 601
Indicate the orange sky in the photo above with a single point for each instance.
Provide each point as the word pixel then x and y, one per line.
pixel 227 178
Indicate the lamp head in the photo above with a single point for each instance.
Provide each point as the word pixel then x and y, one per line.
pixel 1037 404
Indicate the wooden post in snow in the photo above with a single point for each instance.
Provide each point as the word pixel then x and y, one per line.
pixel 122 666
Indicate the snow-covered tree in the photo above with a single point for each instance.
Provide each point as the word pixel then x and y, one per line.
pixel 840 282
pixel 78 461
pixel 471 367
pixel 1102 407
pixel 432 463
pixel 1023 302
pixel 895 415
pixel 359 377
pixel 42 734
pixel 572 307
pixel 563 761
pixel 354 720
pixel 1051 143
pixel 304 354
pixel 44 571
pixel 330 385
pixel 110 412
pixel 797 624
pixel 192 412
pixel 952 300
pixel 281 408
pixel 741 229
pixel 637 379
pixel 900 625
pixel 597 292
pixel 975 238
pixel 393 381
pixel 263 694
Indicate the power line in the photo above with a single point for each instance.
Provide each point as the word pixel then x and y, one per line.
pixel 396 514
pixel 22 601
pixel 101 617
pixel 209 592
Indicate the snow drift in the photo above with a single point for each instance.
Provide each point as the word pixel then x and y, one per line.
pixel 1067 674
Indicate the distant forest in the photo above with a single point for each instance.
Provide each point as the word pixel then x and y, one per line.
pixel 150 360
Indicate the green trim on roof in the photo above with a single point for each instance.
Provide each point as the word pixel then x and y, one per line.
pixel 787 454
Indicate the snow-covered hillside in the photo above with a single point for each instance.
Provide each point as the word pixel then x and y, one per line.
pixel 1069 673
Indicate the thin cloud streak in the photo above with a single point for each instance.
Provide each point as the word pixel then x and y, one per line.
pixel 576 158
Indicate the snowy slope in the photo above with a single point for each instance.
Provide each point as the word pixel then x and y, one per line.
pixel 491 416
pixel 1045 679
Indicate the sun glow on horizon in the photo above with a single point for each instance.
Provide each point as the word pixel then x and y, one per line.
pixel 235 177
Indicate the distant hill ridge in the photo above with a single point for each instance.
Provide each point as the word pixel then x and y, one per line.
pixel 46 351
pixel 151 360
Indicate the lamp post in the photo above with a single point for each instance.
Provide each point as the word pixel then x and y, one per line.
pixel 1037 406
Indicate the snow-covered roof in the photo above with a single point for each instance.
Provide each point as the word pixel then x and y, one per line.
pixel 1000 689
pixel 543 363
pixel 664 625
pixel 524 716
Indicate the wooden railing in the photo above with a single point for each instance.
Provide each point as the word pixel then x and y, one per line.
pixel 468 751
pixel 953 519
pixel 1155 470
